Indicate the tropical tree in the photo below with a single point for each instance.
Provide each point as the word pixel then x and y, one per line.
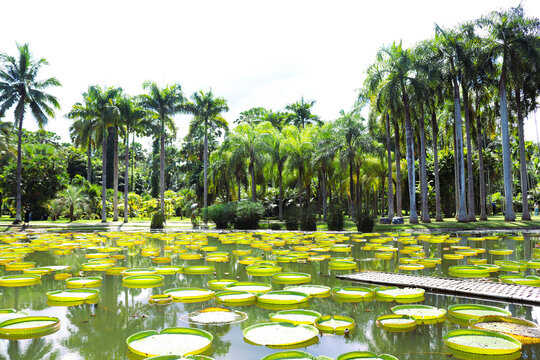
pixel 73 197
pixel 205 108
pixel 81 132
pixel 278 158
pixel 20 87
pixel 300 113
pixel 163 103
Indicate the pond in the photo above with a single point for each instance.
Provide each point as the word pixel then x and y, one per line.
pixel 98 327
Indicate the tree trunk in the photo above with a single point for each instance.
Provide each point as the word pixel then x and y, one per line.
pixel 399 207
pixel 481 175
pixel 18 198
pixel 324 200
pixel 507 160
pixel 470 179
pixel 280 179
pixel 115 175
pixel 89 161
pixel 435 129
pixel 413 216
pixel 104 176
pixel 132 162
pixel 126 176
pixel 205 201
pixel 239 181
pixel 423 172
pixel 253 186
pixel 351 186
pixel 71 211
pixel 462 214
pixel 162 168
pixel 456 179
pixel 526 215
pixel 300 191
pixel 389 156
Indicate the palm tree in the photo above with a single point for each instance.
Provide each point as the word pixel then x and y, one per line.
pixel 301 113
pixel 71 197
pixel 206 108
pixel 131 118
pixel 19 86
pixel 278 157
pixel 254 142
pixel 82 132
pixel 164 103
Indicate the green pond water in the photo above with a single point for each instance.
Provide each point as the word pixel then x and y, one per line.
pixel 99 331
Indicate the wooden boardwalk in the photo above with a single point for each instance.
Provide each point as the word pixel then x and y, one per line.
pixel 464 287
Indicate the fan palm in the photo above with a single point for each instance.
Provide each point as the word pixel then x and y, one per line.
pixel 20 87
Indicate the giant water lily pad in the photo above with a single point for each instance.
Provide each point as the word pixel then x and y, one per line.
pixel 293 355
pixel 335 323
pixel 280 334
pixel 80 282
pixel 481 342
pixel 523 330
pixel 397 323
pixel 172 341
pixel 142 281
pixel 214 316
pixel 28 327
pixel 236 297
pixel 72 296
pixel 423 314
pixel 365 355
pixel 190 294
pixel 291 278
pixel 282 297
pixel 474 311
pixel 352 293
pixel 319 291
pixel 295 316
pixel 253 287
pixel 19 280
pixel 403 295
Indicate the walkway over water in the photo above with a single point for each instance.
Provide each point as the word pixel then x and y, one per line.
pixel 462 287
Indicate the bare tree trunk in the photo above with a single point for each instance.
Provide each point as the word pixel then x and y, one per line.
pixel 456 178
pixel 115 175
pixel 413 216
pixel 205 201
pixel 399 207
pixel 162 168
pixel 526 215
pixel 18 198
pixel 104 176
pixel 481 175
pixel 300 190
pixel 126 175
pixel 435 129
pixel 239 181
pixel 280 171
pixel 351 186
pixel 423 173
pixel 89 161
pixel 253 187
pixel 507 159
pixel 470 179
pixel 389 156
pixel 324 200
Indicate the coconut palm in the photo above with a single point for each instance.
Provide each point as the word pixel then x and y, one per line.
pixel 205 108
pixel 300 113
pixel 82 134
pixel 20 87
pixel 163 103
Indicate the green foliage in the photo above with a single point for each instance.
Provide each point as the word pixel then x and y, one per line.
pixel 335 219
pixel 364 222
pixel 308 221
pixel 275 226
pixel 291 220
pixel 158 220
pixel 221 214
pixel 247 215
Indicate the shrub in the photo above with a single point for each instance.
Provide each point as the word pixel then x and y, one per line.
pixel 221 214
pixel 158 220
pixel 308 221
pixel 335 219
pixel 275 226
pixel 247 215
pixel 291 220
pixel 364 222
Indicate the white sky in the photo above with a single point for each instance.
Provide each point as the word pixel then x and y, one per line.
pixel 252 53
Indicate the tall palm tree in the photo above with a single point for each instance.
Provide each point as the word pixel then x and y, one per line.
pixel 164 103
pixel 278 157
pixel 205 108
pixel 81 132
pixel 300 113
pixel 72 197
pixel 20 87
pixel 132 117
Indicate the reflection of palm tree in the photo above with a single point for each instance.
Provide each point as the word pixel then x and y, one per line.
pixel 38 349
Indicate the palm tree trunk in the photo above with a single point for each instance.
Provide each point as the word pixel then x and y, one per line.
pixel 470 179
pixel 481 175
pixel 526 215
pixel 390 185
pixel 423 172
pixel 238 181
pixel 462 215
pixel 205 200
pixel 104 176
pixel 280 179
pixel 18 201
pixel 435 129
pixel 397 151
pixel 89 161
pixel 126 183
pixel 324 200
pixel 162 168
pixel 300 190
pixel 507 165
pixel 253 187
pixel 413 216
pixel 115 175
pixel 132 162
pixel 351 186
pixel 456 179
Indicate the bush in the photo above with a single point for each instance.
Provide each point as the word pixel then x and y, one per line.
pixel 221 214
pixel 158 220
pixel 335 219
pixel 308 221
pixel 247 215
pixel 275 226
pixel 291 220
pixel 364 222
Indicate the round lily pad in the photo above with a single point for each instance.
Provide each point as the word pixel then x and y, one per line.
pixel 474 311
pixel 237 298
pixel 401 295
pixel 397 323
pixel 263 270
pixel 28 327
pixel 219 284
pixel 282 297
pixel 292 355
pixel 189 294
pixel 468 271
pixel 319 291
pixel 335 323
pixel 423 314
pixel 86 282
pixel 142 281
pixel 73 295
pixel 19 280
pixel 352 293
pixel 171 341
pixel 523 330
pixel 214 316
pixel 481 342
pixel 279 335
pixel 160 299
pixel 291 278
pixel 199 270
pixel 296 316
pixel 365 355
pixel 254 287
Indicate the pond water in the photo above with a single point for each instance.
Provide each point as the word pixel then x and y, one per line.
pixel 100 330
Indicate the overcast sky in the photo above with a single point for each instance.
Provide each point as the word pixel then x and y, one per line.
pixel 252 53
